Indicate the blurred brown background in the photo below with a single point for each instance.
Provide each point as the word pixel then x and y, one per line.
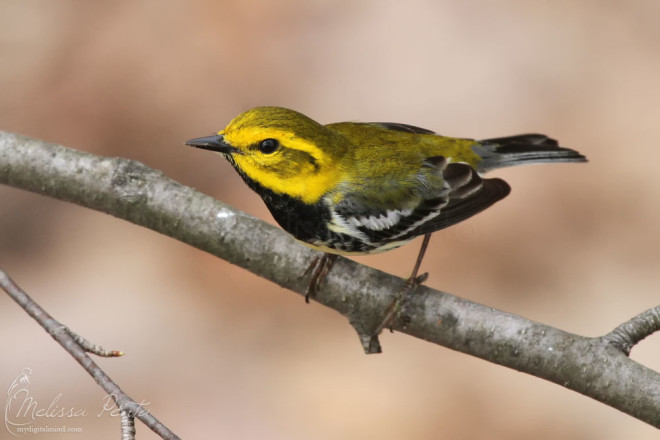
pixel 221 353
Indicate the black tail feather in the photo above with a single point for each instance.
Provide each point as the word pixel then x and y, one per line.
pixel 523 149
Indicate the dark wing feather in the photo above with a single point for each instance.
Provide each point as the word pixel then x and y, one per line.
pixel 463 195
pixel 459 209
pixel 524 140
pixel 403 127
pixel 400 230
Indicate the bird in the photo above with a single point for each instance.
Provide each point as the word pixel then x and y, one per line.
pixel 359 188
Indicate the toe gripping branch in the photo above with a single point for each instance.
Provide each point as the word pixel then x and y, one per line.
pixel 319 269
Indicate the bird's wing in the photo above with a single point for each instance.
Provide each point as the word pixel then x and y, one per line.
pixel 462 208
pixel 445 195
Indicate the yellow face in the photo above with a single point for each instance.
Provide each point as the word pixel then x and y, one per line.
pixel 283 151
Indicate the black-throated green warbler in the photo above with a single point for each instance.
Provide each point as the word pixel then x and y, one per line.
pixel 359 188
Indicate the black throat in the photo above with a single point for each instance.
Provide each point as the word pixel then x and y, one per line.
pixel 304 221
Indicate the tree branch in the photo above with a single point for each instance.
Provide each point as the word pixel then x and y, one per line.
pixel 595 367
pixel 75 346
pixel 628 334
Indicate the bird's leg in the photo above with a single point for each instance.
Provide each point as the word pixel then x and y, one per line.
pixel 411 283
pixel 319 268
pixel 415 280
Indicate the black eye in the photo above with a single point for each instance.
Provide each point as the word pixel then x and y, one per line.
pixel 268 146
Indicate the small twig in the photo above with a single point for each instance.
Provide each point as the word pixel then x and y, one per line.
pixel 628 334
pixel 127 425
pixel 64 337
pixel 90 347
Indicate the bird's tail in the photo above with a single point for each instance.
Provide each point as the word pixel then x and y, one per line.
pixel 522 149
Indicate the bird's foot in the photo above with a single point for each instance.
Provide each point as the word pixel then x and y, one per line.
pixel 393 310
pixel 319 268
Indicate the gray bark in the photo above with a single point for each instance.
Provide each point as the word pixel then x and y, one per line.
pixel 596 367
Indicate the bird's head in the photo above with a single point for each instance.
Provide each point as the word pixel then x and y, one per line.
pixel 281 150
